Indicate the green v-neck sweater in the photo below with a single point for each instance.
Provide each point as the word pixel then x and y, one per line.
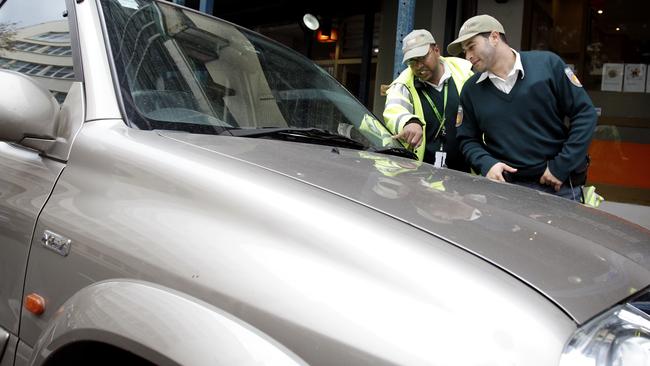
pixel 526 128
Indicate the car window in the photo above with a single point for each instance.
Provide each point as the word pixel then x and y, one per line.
pixel 182 70
pixel 35 41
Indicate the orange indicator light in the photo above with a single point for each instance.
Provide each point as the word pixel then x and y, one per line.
pixel 35 304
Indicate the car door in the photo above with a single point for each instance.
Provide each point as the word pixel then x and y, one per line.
pixel 34 41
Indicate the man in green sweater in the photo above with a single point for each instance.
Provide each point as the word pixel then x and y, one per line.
pixel 514 108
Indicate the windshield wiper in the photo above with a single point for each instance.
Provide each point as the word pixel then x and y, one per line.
pixel 395 151
pixel 308 135
pixel 318 136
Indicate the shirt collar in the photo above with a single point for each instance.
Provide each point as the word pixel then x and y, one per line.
pixel 517 67
pixel 445 75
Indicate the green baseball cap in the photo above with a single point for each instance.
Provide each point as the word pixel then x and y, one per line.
pixel 472 27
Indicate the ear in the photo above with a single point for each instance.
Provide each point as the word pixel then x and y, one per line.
pixel 494 38
pixel 436 49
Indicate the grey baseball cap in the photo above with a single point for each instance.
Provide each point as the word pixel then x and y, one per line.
pixel 416 44
pixel 472 27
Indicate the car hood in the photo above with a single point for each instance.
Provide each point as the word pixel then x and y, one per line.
pixel 583 259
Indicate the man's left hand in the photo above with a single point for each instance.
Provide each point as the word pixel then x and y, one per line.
pixel 549 179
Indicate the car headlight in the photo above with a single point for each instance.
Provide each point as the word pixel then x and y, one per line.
pixel 619 337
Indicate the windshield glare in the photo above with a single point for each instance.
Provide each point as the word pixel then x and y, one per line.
pixel 182 70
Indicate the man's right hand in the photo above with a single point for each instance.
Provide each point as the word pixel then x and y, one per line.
pixel 411 134
pixel 496 172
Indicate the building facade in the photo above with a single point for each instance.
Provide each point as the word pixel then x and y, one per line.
pixel 42 51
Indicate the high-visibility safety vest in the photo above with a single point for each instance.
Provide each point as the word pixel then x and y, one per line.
pixel 590 197
pixel 396 114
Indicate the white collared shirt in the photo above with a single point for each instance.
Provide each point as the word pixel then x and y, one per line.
pixel 446 75
pixel 505 85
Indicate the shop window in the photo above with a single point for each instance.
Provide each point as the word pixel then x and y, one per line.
pixel 607 42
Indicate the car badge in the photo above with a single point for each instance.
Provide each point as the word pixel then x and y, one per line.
pixel 56 242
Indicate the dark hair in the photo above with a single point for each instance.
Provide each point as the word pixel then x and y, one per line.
pixel 501 35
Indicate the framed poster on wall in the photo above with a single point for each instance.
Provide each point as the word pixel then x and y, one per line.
pixel 635 75
pixel 612 77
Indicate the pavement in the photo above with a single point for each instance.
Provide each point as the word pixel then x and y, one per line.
pixel 635 213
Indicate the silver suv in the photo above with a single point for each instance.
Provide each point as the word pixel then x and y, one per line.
pixel 175 189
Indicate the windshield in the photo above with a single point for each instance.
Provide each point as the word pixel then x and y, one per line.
pixel 182 70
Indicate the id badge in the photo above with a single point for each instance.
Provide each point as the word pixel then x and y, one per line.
pixel 441 156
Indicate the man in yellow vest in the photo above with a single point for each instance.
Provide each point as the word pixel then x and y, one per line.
pixel 422 104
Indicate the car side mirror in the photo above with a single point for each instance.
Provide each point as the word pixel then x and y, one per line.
pixel 27 110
